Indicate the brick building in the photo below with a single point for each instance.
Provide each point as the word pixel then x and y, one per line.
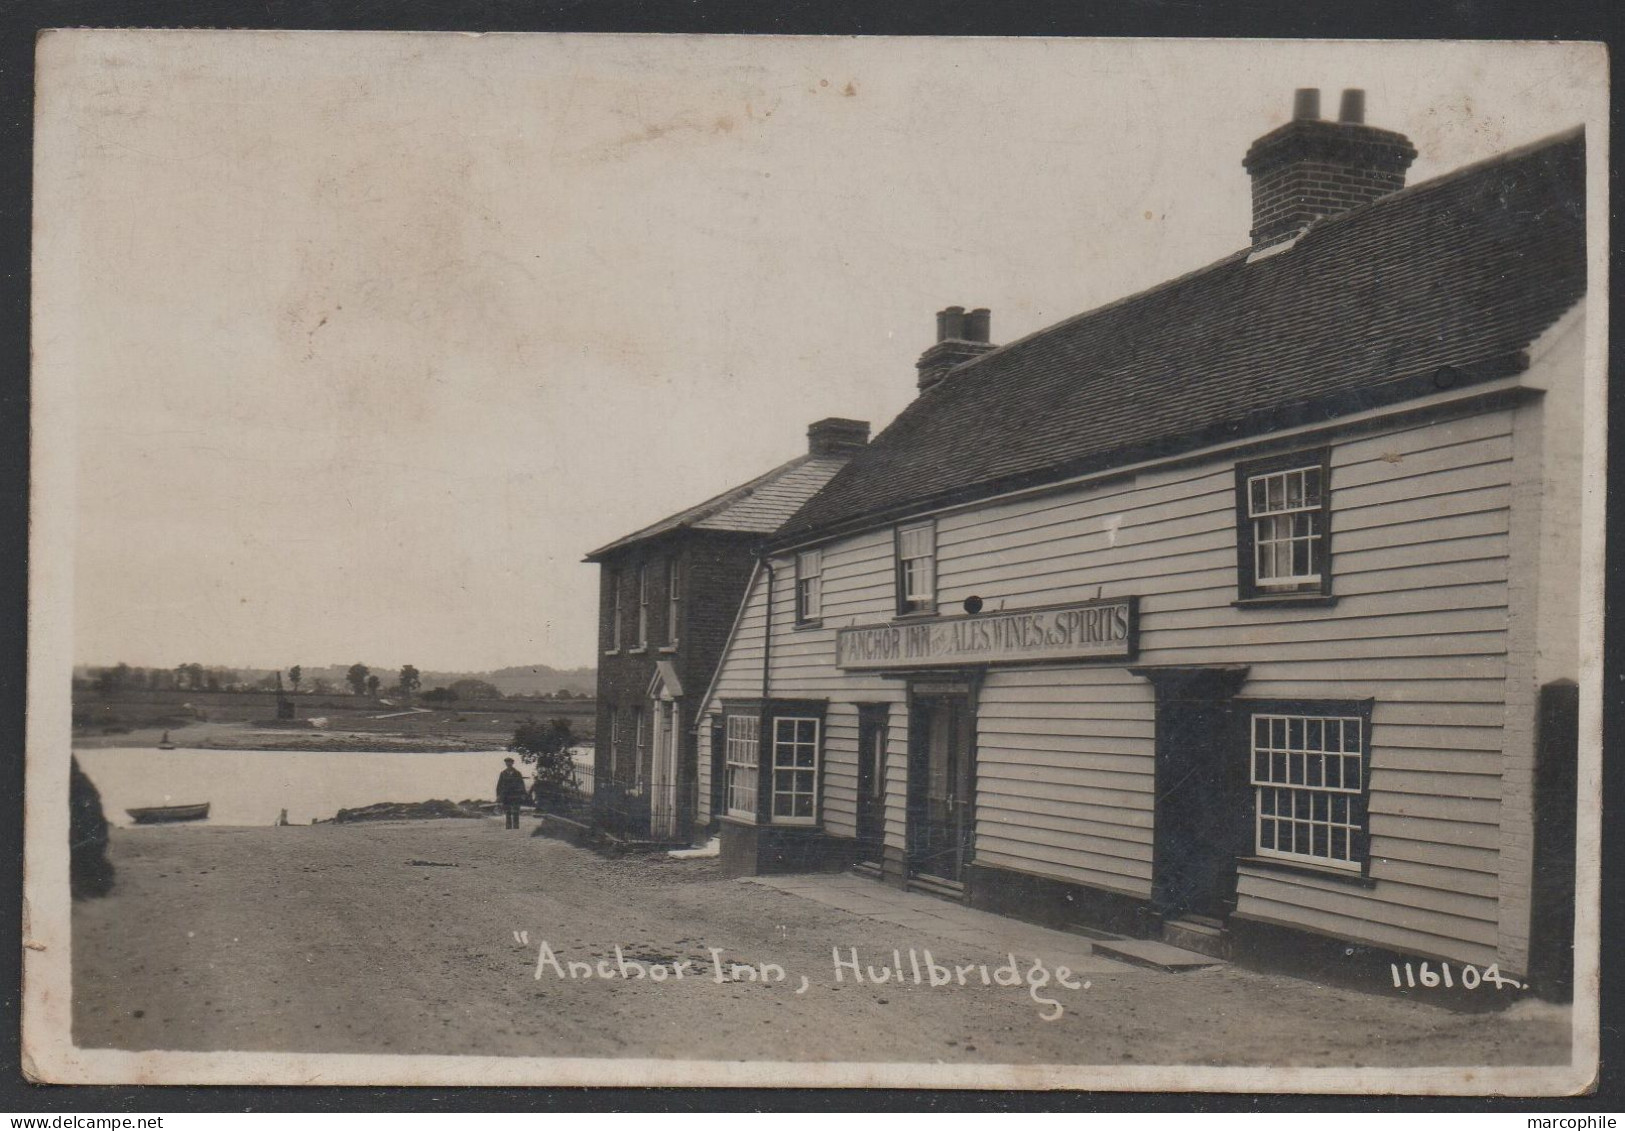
pixel 1239 613
pixel 667 596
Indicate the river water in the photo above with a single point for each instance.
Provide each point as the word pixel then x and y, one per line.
pixel 250 787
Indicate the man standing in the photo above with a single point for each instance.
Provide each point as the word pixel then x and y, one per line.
pixel 511 793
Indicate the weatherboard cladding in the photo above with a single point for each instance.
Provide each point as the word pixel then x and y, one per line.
pixel 1065 755
pixel 1424 560
pixel 1367 306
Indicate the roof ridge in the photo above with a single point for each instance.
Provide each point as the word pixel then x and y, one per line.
pixel 1042 331
pixel 1479 258
pixel 688 516
pixel 1450 176
pixel 1462 172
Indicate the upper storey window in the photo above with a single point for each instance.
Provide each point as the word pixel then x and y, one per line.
pixel 809 586
pixel 1283 543
pixel 674 600
pixel 643 606
pixel 917 568
pixel 614 610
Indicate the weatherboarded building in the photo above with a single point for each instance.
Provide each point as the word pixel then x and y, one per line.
pixel 1240 612
pixel 668 594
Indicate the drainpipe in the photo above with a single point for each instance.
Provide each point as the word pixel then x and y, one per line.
pixel 764 776
pixel 767 629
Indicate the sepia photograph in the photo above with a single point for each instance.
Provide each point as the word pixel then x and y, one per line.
pixel 806 561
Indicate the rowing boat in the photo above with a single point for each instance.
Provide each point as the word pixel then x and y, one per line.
pixel 164 814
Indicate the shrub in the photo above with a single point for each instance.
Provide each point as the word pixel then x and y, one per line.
pixel 547 747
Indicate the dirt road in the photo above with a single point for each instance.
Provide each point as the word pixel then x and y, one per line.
pixel 425 937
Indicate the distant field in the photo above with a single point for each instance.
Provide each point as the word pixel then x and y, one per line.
pixel 482 720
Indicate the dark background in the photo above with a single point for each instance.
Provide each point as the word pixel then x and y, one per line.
pixel 21 19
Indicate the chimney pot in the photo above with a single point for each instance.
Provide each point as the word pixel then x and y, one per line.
pixel 1310 168
pixel 978 325
pixel 835 435
pixel 960 338
pixel 1352 108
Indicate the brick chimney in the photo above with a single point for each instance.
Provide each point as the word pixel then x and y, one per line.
pixel 960 337
pixel 1311 168
pixel 835 436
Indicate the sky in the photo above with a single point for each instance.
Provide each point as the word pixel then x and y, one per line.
pixel 363 340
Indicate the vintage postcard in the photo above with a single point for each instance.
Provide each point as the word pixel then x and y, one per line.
pixel 729 560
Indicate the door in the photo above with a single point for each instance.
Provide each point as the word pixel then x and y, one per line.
pixel 940 783
pixel 663 772
pixel 1200 811
pixel 872 783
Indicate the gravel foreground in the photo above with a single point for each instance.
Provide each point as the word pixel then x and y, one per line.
pixel 425 937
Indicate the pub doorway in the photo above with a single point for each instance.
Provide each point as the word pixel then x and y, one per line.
pixel 941 787
pixel 665 713
pixel 1201 823
pixel 668 738
pixel 872 783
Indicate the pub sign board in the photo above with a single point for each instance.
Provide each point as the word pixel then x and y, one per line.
pixel 1086 630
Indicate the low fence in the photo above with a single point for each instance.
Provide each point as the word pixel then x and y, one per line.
pixel 627 810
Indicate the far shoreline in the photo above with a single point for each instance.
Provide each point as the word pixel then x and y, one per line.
pixel 244 737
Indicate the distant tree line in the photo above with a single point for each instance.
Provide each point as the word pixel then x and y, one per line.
pixel 360 679
pixel 182 677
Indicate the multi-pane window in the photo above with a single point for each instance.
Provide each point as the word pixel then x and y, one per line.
pixel 917 568
pixel 640 731
pixel 1285 508
pixel 741 738
pixel 1309 774
pixel 643 606
pixel 674 599
pixel 809 586
pixel 1283 546
pixel 615 599
pixel 795 769
pixel 614 740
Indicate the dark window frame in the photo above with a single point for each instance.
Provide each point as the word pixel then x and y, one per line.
pixel 741 708
pixel 640 742
pixel 642 643
pixel 768 712
pixel 1248 590
pixel 616 582
pixel 1313 708
pixel 674 600
pixel 801 619
pixel 925 607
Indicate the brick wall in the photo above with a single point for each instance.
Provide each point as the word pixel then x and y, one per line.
pixel 1310 169
pixel 713 570
pixel 1290 199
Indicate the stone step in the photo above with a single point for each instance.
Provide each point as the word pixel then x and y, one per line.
pixel 1092 932
pixel 1199 935
pixel 1159 955
pixel 932 885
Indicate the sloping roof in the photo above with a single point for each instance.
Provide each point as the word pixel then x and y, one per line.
pixel 1367 307
pixel 758 507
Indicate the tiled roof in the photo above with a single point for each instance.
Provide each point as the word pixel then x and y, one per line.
pixel 1367 307
pixel 757 507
